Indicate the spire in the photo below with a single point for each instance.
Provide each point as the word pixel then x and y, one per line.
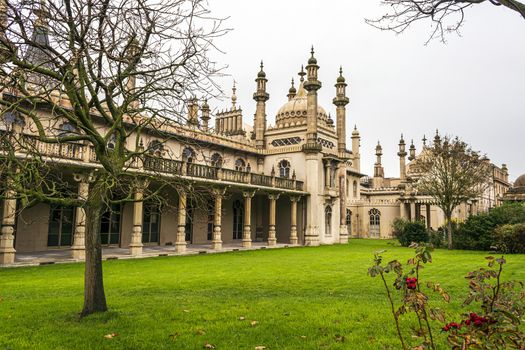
pixel 234 96
pixel 424 141
pixel 205 108
pixel 340 78
pixel 302 74
pixel 355 132
pixel 260 96
pixel 330 121
pixel 261 73
pixel 312 59
pixel 312 85
pixel 292 91
pixel 402 154
pixel 437 138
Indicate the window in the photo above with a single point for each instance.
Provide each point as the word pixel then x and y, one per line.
pixel 61 226
pixel 354 189
pixel 216 160
pixel 284 169
pixel 67 129
pixel 151 223
pixel 211 218
pixel 238 219
pixel 348 221
pixel 112 142
pixel 188 155
pixel 110 226
pixel 375 222
pixel 240 165
pixel 328 220
pixel 156 148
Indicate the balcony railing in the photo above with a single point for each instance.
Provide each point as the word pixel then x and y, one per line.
pixel 86 153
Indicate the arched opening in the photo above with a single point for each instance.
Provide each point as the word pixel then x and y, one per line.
pixel 284 168
pixel 216 160
pixel 328 220
pixel 375 223
pixel 188 155
pixel 240 165
pixel 156 148
pixel 354 189
pixel 348 222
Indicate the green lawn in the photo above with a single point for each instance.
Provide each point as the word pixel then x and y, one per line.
pixel 301 298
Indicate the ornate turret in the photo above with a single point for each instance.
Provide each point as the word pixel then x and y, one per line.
pixel 412 151
pixel 424 139
pixel 312 84
pixel 229 122
pixel 38 53
pixel 291 92
pixel 402 162
pixel 379 172
pixel 437 138
pixel 205 109
pixel 193 112
pixel 234 97
pixel 341 101
pixel 260 96
pixel 355 149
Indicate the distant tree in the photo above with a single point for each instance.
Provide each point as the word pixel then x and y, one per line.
pixel 444 15
pixel 96 73
pixel 451 172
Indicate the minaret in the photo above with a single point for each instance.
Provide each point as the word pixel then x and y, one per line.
pixel 412 150
pixel 205 109
pixel 341 101
pixel 356 140
pixel 437 138
pixel 312 85
pixel 402 161
pixel 291 92
pixel 379 172
pixel 260 96
pixel 234 97
pixel 193 112
pixel 38 54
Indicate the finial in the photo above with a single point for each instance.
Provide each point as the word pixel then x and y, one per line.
pixel 340 71
pixel 302 73
pixel 261 72
pixel 262 65
pixel 292 91
pixel 340 78
pixel 424 140
pixel 234 96
pixel 312 59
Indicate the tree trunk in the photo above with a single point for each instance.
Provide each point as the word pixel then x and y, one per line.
pixel 94 296
pixel 449 231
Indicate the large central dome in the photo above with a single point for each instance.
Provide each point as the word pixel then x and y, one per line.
pixel 294 111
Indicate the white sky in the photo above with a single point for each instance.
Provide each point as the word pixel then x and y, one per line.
pixel 472 87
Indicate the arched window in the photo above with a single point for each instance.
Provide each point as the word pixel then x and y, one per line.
pixel 284 168
pixel 375 222
pixel 188 155
pixel 112 142
pixel 156 148
pixel 348 221
pixel 328 220
pixel 238 219
pixel 240 165
pixel 355 189
pixel 333 174
pixel 216 160
pixel 67 129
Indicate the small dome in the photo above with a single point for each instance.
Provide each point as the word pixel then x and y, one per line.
pixel 520 181
pixel 297 109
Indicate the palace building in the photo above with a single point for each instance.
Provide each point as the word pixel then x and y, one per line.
pixel 296 183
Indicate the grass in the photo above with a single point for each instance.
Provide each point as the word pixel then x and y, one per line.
pixel 301 298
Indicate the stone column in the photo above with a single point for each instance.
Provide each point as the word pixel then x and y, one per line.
pixel 402 210
pixel 180 242
pixel 413 211
pixel 327 174
pixel 7 239
pixel 78 249
pixel 293 220
pixel 272 240
pixel 216 242
pixel 247 232
pixel 343 230
pixel 429 221
pixel 135 246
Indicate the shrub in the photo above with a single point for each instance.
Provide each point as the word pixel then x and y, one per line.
pixel 508 213
pixel 510 238
pixel 408 232
pixel 437 238
pixel 476 233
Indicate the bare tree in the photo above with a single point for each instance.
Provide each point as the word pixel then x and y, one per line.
pixel 99 73
pixel 444 15
pixel 452 173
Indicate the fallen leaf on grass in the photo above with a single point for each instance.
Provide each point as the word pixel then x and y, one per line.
pixel 253 323
pixel 209 346
pixel 242 318
pixel 200 332
pixel 303 336
pixel 186 311
pixel 110 335
pixel 173 336
pixel 260 347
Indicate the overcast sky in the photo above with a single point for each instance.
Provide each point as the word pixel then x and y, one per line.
pixel 472 87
